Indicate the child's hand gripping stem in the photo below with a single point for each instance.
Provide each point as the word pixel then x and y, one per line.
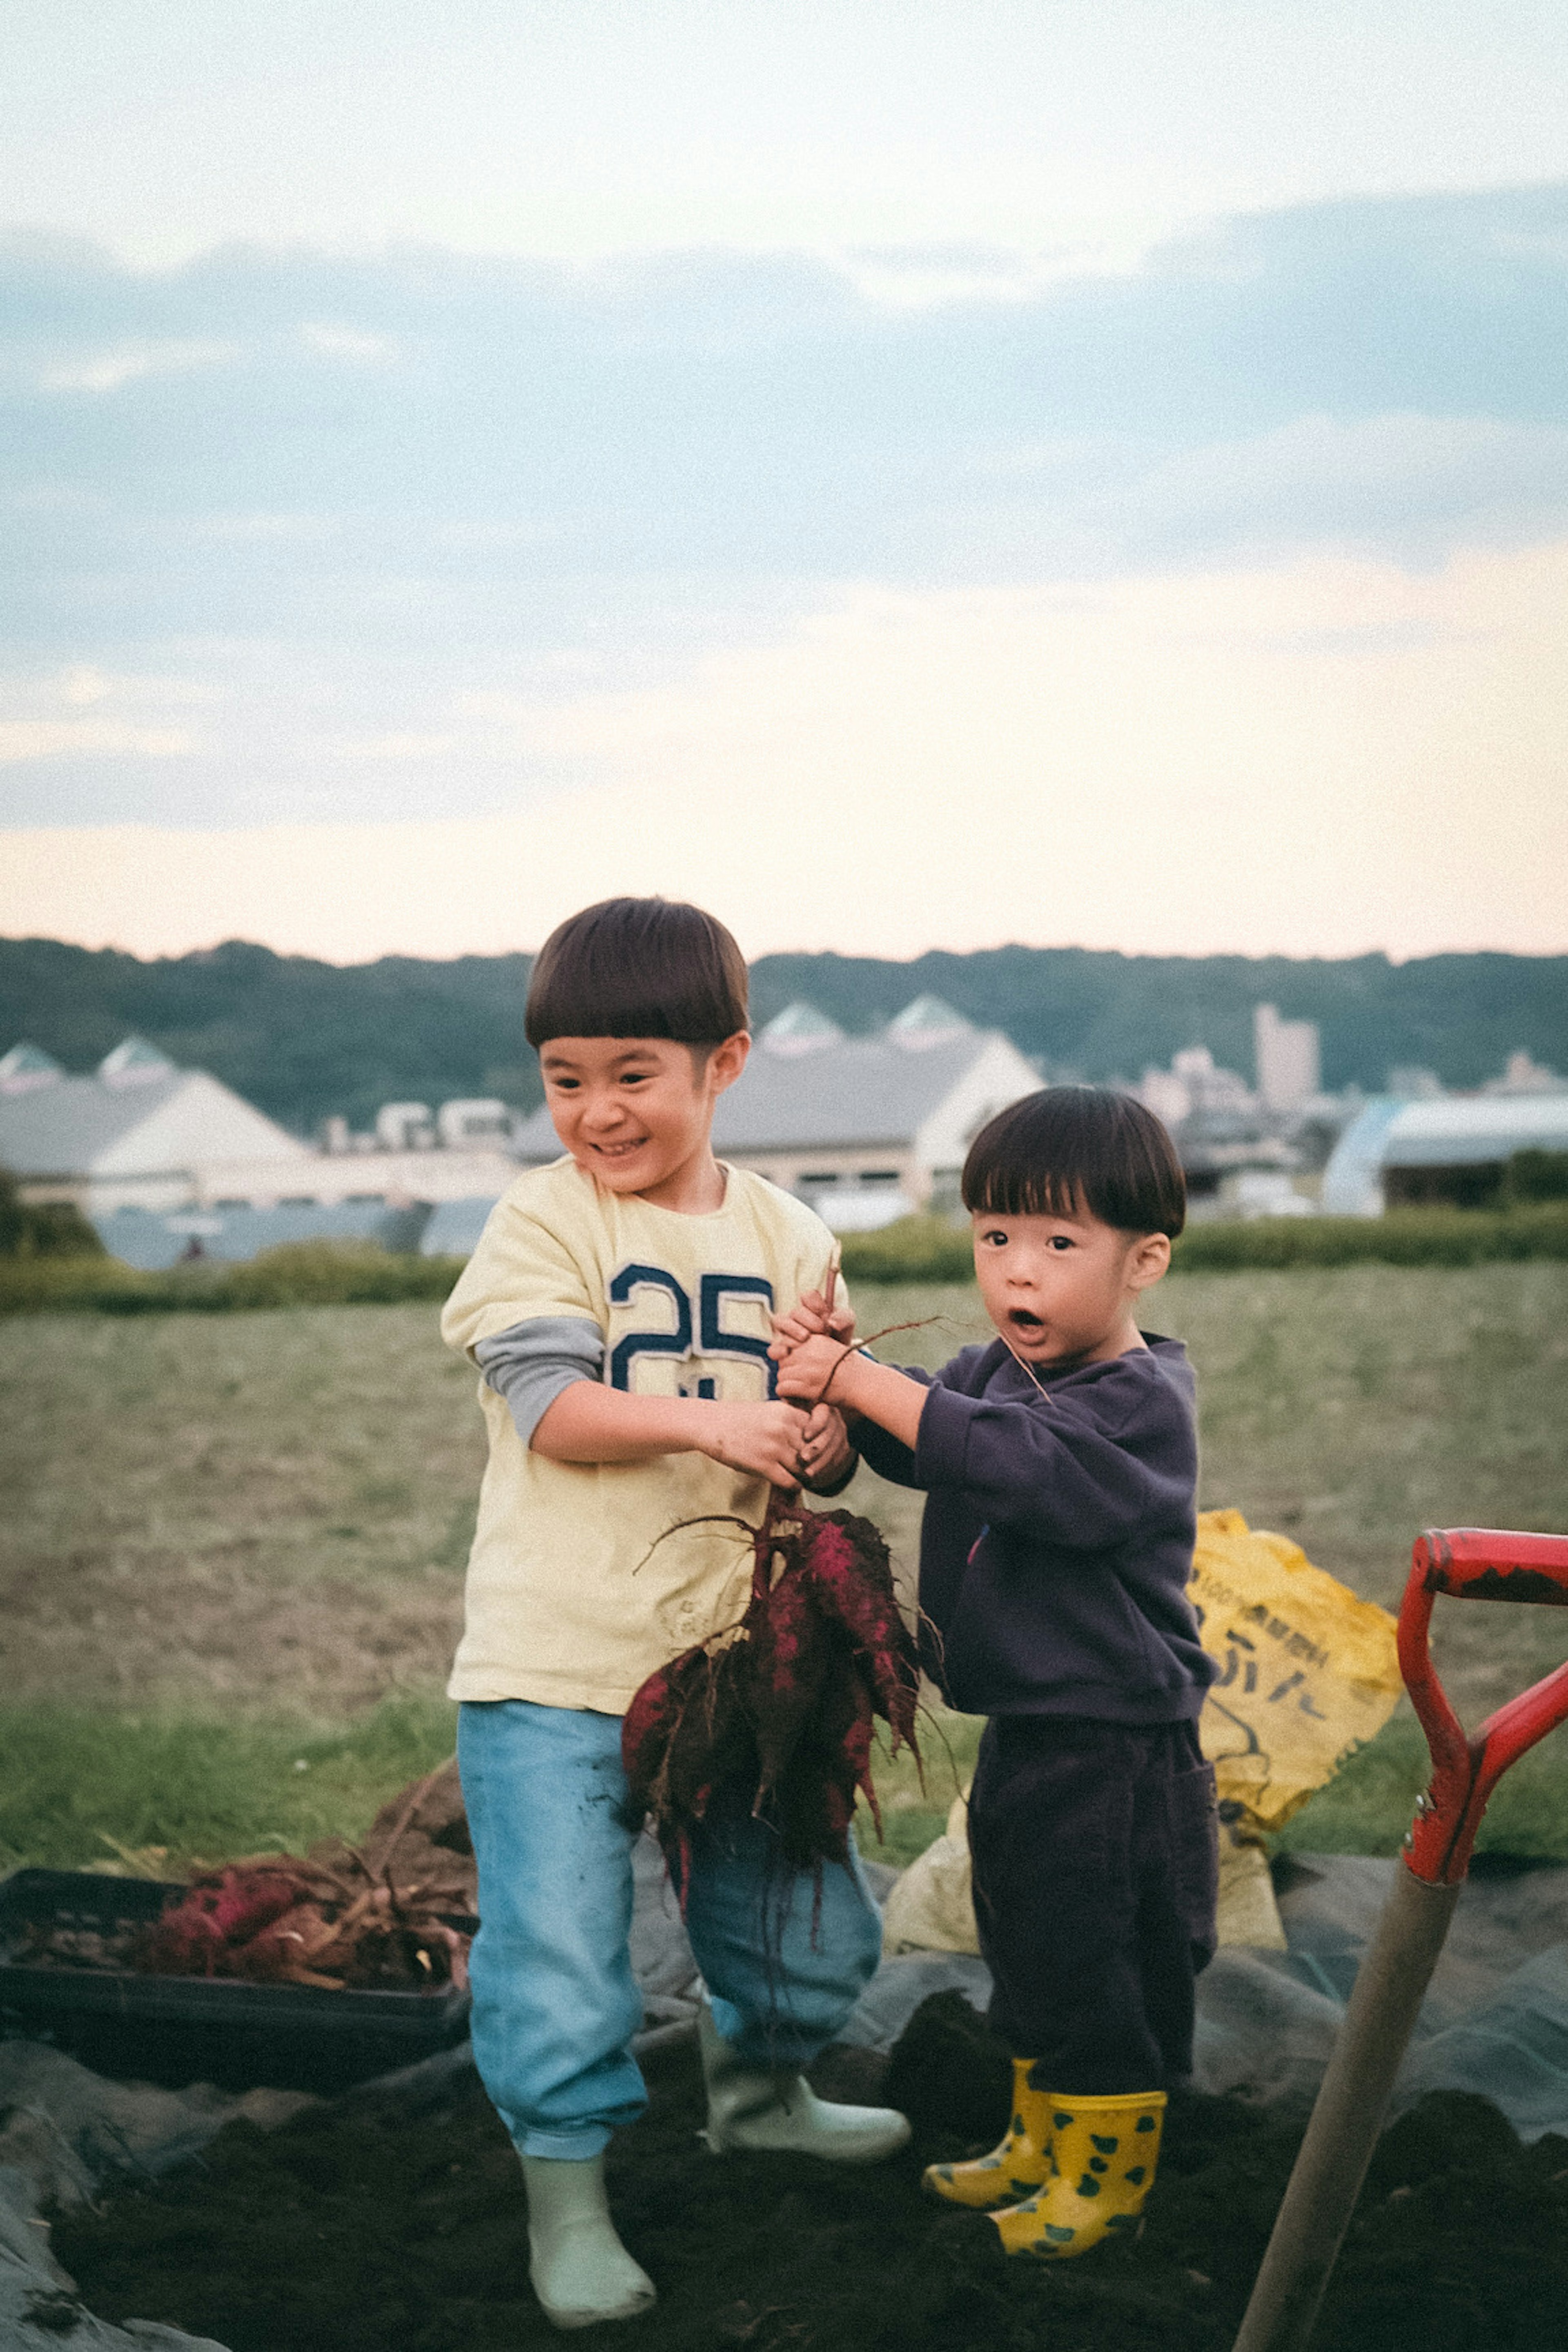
pixel 825 1452
pixel 812 1316
pixel 769 1441
pixel 588 1423
pixel 822 1368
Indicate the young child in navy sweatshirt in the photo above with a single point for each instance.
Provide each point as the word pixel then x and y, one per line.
pixel 1060 1467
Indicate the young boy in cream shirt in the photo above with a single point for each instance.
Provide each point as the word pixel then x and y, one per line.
pixel 620 1308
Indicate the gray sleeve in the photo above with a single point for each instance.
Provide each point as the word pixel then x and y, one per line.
pixel 530 1363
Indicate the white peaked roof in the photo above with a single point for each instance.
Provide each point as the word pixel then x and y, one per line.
pixel 843 1092
pixel 139 1115
pixel 799 1029
pixel 134 1063
pixel 25 1066
pixel 928 1021
pixel 857 1090
pixel 65 1130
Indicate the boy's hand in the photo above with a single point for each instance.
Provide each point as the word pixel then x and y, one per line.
pixel 767 1440
pixel 826 1453
pixel 820 1370
pixel 806 1369
pixel 777 1441
pixel 808 1319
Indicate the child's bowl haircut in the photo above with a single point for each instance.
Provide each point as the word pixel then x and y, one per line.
pixel 1069 1152
pixel 638 968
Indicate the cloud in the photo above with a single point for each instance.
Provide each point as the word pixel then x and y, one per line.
pixel 138 719
pixel 734 410
pixel 347 342
pixel 392 747
pixel 50 738
pixel 929 278
pixel 108 371
pixel 1416 484
pixel 350 496
pixel 1178 764
pixel 83 684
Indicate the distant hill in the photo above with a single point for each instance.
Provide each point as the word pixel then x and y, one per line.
pixel 301 1039
pixel 1101 1014
pixel 298 1038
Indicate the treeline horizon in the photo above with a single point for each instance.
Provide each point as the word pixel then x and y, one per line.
pixel 303 1039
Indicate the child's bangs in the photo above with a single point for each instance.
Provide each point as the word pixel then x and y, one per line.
pixel 1008 1191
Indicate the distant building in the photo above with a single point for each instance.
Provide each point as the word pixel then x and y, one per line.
pixel 138 1133
pixel 1413 1082
pixel 1196 1083
pixel 168 1162
pixel 476 1124
pixel 1243 1150
pixel 231 1236
pixel 1289 1070
pixel 453 1227
pixel 1286 1059
pixel 1452 1150
pixel 1523 1075
pixel 1254 1193
pixel 866 1129
pixel 1165 1093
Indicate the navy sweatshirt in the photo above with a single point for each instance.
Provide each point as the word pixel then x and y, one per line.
pixel 1057 1537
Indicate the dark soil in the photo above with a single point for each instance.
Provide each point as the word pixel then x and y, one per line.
pixel 353 2230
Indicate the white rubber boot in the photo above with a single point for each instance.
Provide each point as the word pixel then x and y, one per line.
pixel 577 2266
pixel 762 2108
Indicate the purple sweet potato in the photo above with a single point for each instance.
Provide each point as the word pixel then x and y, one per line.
pixel 779 1711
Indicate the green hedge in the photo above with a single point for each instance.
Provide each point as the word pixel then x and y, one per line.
pixel 916 1249
pixel 1536 1176
pixel 42 1228
pixel 927 1249
pixel 1403 1237
pixel 298 1274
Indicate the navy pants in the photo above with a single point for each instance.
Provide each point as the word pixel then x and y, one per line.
pixel 1095 1855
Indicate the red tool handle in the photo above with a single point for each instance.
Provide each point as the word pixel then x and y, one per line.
pixel 1472 1564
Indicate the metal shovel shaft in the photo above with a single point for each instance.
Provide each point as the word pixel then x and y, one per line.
pixel 1321 2198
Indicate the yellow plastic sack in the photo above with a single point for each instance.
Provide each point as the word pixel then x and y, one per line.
pixel 932 1906
pixel 1308 1674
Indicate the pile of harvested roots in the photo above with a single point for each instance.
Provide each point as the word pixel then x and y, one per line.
pixel 779 1709
pixel 378 1917
pixel 390 1915
pixel 275 1920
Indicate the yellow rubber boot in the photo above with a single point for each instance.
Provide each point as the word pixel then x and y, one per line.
pixel 1020 2162
pixel 1105 2152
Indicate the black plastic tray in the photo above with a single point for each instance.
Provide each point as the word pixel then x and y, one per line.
pixel 176 2030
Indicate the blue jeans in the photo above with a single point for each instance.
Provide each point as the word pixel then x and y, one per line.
pixel 554 2002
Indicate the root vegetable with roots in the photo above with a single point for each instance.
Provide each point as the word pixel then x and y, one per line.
pixel 779 1709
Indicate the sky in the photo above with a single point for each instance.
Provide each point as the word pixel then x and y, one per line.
pixel 907 476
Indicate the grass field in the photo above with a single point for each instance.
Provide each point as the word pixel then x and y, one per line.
pixel 233 1546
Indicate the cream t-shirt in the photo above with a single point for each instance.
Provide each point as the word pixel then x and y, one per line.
pixel 572 1599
